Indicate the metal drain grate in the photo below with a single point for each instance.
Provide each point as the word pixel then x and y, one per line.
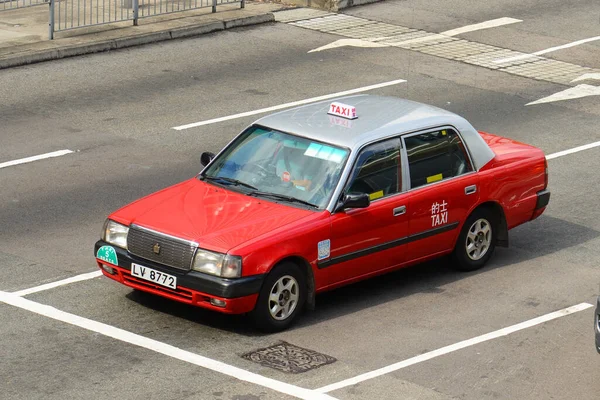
pixel 289 358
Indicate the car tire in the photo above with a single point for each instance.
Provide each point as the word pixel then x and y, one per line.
pixel 477 241
pixel 281 298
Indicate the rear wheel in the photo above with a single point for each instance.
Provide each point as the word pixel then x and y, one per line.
pixel 281 298
pixel 477 240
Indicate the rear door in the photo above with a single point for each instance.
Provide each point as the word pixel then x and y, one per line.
pixel 368 240
pixel 443 188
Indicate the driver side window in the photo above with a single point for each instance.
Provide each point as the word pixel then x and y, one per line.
pixel 377 170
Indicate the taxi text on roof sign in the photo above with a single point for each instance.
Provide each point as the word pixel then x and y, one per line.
pixel 342 110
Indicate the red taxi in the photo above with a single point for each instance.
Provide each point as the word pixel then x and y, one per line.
pixel 320 196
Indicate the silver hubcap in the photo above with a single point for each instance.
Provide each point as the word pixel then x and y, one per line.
pixel 283 298
pixel 479 239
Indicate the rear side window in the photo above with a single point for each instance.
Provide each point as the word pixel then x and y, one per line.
pixel 434 156
pixel 377 170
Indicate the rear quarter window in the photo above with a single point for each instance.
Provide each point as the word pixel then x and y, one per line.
pixel 434 156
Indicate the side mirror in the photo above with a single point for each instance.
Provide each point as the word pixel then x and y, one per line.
pixel 206 158
pixel 354 200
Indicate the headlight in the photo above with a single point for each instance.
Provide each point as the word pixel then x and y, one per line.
pixel 115 233
pixel 223 265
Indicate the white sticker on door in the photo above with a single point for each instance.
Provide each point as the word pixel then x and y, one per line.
pixel 324 247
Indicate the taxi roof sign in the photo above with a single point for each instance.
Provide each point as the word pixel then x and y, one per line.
pixel 342 110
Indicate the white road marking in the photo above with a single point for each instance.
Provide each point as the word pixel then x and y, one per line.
pixel 493 23
pixel 351 43
pixel 573 150
pixel 586 77
pixel 576 92
pixel 35 158
pixel 549 50
pixel 454 347
pixel 370 42
pixel 292 104
pixel 52 285
pixel 160 347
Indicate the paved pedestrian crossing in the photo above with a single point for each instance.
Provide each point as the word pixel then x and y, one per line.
pixel 439 45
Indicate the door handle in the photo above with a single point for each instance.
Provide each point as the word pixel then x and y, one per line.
pixel 399 211
pixel 470 189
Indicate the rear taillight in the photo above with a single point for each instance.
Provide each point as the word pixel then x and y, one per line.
pixel 546 170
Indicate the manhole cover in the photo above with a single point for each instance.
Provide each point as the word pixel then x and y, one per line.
pixel 289 358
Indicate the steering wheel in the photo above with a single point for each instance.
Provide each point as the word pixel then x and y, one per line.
pixel 259 169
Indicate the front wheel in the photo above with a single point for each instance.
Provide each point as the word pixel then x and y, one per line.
pixel 476 242
pixel 281 298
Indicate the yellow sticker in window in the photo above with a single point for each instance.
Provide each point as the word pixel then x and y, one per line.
pixel 443 133
pixel 376 195
pixel 434 178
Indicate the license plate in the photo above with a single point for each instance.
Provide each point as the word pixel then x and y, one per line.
pixel 153 275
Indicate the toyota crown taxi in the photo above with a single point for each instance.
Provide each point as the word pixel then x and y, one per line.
pixel 320 196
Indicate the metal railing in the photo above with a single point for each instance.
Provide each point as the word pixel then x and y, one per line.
pixel 72 14
pixel 149 8
pixel 14 4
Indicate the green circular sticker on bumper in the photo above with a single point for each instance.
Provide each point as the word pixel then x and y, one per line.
pixel 108 254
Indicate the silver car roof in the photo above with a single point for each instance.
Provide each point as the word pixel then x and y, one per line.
pixel 378 117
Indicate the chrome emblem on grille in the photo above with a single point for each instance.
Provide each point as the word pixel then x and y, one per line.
pixel 156 248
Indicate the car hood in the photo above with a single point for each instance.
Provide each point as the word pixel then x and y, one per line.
pixel 216 218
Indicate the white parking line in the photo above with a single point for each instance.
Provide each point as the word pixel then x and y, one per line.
pixel 573 150
pixel 292 104
pixel 454 347
pixel 160 347
pixel 551 49
pixel 52 285
pixel 35 158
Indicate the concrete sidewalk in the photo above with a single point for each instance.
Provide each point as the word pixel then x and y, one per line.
pixel 24 32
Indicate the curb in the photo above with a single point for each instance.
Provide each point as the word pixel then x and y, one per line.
pixel 133 40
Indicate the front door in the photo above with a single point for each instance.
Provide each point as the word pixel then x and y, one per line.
pixel 444 188
pixel 365 241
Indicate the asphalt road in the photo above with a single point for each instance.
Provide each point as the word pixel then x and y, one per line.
pixel 116 112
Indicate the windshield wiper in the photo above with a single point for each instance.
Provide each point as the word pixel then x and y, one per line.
pixel 228 180
pixel 281 197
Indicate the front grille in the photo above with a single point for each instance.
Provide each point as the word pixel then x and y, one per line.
pixel 172 252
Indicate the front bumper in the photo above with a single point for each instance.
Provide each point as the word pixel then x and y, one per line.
pixel 239 295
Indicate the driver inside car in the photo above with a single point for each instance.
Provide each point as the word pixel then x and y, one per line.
pixel 292 165
pixel 301 171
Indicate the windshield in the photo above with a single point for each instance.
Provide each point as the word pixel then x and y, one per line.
pixel 267 162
